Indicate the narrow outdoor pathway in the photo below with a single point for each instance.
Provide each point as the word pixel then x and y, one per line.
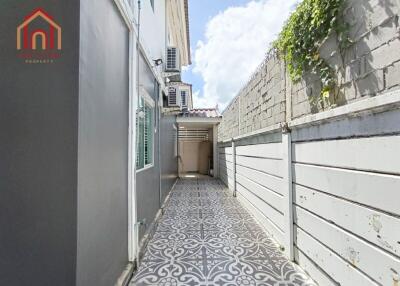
pixel 207 238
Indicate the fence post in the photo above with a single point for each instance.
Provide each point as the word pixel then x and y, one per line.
pixel 288 192
pixel 215 152
pixel 234 166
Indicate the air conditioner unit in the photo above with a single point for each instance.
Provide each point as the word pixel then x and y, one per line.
pixel 172 63
pixel 173 96
pixel 184 95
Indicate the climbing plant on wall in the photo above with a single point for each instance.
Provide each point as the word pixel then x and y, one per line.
pixel 300 40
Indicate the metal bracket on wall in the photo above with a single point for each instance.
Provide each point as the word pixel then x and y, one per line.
pixel 169 74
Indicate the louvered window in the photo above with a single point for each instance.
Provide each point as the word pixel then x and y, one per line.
pixel 148 136
pixel 145 135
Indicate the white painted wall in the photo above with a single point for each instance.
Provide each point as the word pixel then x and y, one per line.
pixel 194 156
pixel 152 28
pixel 176 22
pixel 189 154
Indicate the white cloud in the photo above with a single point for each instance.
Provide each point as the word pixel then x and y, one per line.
pixel 201 101
pixel 236 42
pixel 185 68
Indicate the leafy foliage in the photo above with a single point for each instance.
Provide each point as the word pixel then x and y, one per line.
pixel 299 42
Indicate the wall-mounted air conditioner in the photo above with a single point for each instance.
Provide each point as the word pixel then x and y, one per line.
pixel 179 95
pixel 184 98
pixel 173 96
pixel 172 62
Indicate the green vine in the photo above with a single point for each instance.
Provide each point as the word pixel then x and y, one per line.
pixel 304 32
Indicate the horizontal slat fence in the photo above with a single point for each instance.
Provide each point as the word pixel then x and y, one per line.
pixel 258 182
pixel 259 172
pixel 346 197
pixel 226 165
pixel 339 196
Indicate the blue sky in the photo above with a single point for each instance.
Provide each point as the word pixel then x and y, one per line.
pixel 229 39
pixel 200 12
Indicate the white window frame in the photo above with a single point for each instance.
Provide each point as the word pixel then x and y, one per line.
pixel 149 101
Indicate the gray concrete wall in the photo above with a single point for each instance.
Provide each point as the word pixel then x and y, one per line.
pixel 64 149
pixel 154 183
pixel 169 159
pixel 102 250
pixel 38 152
pixel 369 67
pixel 148 179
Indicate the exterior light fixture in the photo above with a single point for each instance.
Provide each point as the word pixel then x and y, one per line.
pixel 158 62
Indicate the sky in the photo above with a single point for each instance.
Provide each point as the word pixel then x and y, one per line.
pixel 229 39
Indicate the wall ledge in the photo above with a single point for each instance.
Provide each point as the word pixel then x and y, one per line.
pixel 270 129
pixel 379 103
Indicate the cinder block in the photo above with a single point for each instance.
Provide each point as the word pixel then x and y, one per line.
pixel 371 84
pixel 384 56
pixel 300 109
pixel 377 37
pixel 329 46
pixel 364 15
pixel 353 13
pixel 270 121
pixel 349 55
pixel 269 112
pixel 297 111
pixel 349 91
pixel 276 109
pixel 295 86
pixel 302 95
pixel 313 89
pixel 279 118
pixel 264 123
pixel 380 10
pixel 365 67
pixel 392 75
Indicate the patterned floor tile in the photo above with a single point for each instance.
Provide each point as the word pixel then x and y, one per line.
pixel 206 237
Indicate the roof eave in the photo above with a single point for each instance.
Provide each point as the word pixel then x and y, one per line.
pixel 214 120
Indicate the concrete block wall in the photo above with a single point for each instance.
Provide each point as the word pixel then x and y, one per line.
pixel 260 103
pixel 263 102
pixel 369 66
pixel 230 123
